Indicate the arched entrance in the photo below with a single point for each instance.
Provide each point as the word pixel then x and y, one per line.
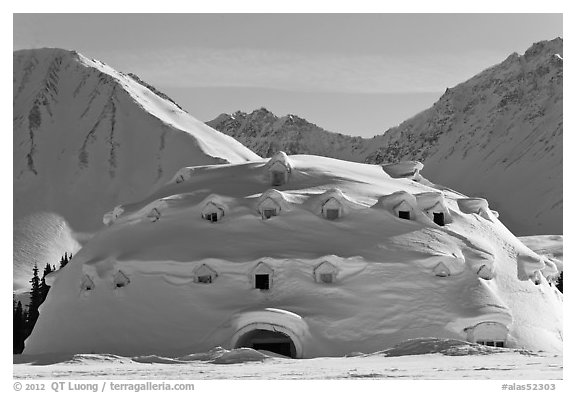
pixel 269 337
pixel 268 340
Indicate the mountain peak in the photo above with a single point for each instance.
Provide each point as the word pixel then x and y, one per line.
pixel 505 120
pixel 546 47
pixel 99 137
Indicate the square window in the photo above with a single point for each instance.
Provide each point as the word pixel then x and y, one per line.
pixel 500 344
pixel 403 214
pixel 490 343
pixel 262 281
pixel 327 278
pixel 332 214
pixel 205 279
pixel 277 178
pixel 439 218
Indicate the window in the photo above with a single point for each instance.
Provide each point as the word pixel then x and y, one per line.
pixel 439 218
pixel 277 178
pixel 262 281
pixel 87 284
pixel 327 278
pixel 207 279
pixel 499 344
pixel 269 213
pixel 212 217
pixel 403 214
pixel 121 280
pixel 332 214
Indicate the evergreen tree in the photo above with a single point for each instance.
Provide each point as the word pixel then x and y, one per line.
pixel 560 282
pixel 35 299
pixel 18 328
pixel 43 286
pixel 64 261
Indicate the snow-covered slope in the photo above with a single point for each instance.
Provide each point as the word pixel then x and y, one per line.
pixel 137 286
pixel 497 135
pixel 87 137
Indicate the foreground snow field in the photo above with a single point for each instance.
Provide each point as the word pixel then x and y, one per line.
pixel 418 359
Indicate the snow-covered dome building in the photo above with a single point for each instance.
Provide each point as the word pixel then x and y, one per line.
pixel 354 261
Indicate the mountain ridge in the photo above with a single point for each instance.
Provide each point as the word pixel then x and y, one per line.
pixel 86 138
pixel 506 116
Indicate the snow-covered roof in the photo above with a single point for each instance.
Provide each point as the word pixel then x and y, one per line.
pixel 278 198
pixel 262 268
pixel 472 205
pixel 403 169
pixel 318 202
pixel 214 203
pixel 325 267
pixel 391 201
pixel 204 270
pixel 279 158
pixel 426 200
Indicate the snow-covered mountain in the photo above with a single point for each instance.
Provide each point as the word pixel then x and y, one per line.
pixel 497 135
pixel 86 138
pixel 302 255
pixel 265 134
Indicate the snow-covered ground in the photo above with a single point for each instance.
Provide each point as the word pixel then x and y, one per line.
pixel 419 359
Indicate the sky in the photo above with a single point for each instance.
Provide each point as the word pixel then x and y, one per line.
pixel 356 74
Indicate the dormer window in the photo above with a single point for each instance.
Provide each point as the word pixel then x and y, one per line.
pixel 404 214
pixel 268 213
pixel 332 209
pixel 441 270
pixel 212 212
pixel 278 169
pixel 87 283
pixel 262 277
pixel 327 278
pixel 121 280
pixel 154 215
pixel 205 279
pixel 278 178
pixel 439 218
pixel 332 214
pixel 262 281
pixel 325 273
pixel 205 274
pixel 212 217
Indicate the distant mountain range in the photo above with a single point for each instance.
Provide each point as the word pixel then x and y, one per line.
pixel 497 135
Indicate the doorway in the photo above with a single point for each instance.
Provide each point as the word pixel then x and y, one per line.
pixel 268 340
